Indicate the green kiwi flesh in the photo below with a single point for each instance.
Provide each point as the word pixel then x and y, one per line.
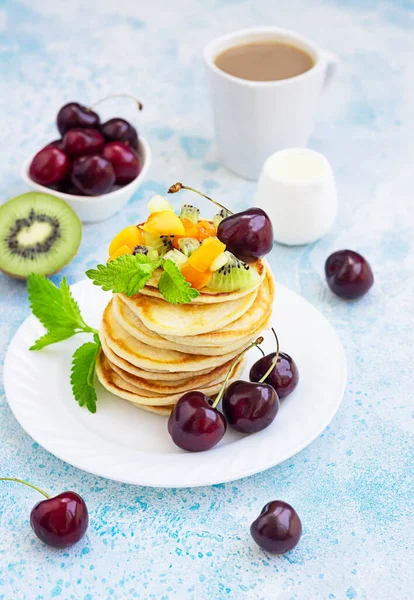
pixel 234 275
pixel 39 233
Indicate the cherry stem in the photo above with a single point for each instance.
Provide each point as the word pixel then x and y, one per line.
pixel 139 104
pixel 261 350
pixel 230 371
pixel 26 483
pixel 272 366
pixel 179 186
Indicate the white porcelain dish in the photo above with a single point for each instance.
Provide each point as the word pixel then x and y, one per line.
pixel 123 443
pixel 91 209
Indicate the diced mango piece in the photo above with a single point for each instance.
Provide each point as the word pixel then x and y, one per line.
pixel 197 279
pixel 191 230
pixel 159 204
pixel 205 230
pixel 205 255
pixel 130 236
pixel 120 252
pixel 164 223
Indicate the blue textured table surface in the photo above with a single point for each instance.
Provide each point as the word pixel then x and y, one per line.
pixel 352 486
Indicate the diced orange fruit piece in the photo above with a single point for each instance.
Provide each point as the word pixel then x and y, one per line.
pixel 164 223
pixel 205 230
pixel 202 258
pixel 130 236
pixel 197 279
pixel 120 252
pixel 191 230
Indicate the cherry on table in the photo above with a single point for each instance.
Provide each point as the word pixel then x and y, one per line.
pixel 93 175
pixel 349 275
pixel 119 130
pixel 124 160
pixel 59 521
pixel 79 142
pixel 49 166
pixel 284 376
pixel 194 424
pixel 73 115
pixel 278 528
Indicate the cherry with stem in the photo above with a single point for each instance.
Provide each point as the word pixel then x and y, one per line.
pixel 59 521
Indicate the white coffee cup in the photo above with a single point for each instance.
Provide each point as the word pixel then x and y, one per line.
pixel 297 190
pixel 254 119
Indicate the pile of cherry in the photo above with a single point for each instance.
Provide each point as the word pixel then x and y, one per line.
pixel 91 158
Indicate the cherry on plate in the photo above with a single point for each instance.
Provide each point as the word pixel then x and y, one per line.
pixel 284 376
pixel 194 424
pixel 349 275
pixel 278 528
pixel 93 175
pixel 49 166
pixel 250 407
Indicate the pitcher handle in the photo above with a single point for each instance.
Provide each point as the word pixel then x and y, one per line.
pixel 331 66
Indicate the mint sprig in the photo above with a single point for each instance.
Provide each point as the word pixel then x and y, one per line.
pixel 174 287
pixel 83 372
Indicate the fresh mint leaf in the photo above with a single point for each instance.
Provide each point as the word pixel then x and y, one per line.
pixel 82 374
pixel 174 287
pixel 126 274
pixel 56 309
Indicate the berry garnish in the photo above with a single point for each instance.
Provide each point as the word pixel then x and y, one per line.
pixel 278 528
pixel 247 234
pixel 348 274
pixel 195 424
pixel 283 377
pixel 60 521
pixel 49 166
pixel 250 407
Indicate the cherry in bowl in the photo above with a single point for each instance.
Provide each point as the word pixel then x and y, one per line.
pixel 49 166
pixel 124 160
pixel 349 274
pixel 73 115
pixel 119 130
pixel 93 175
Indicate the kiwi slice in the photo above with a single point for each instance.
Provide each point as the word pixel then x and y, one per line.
pixel 147 251
pixel 177 257
pixel 190 212
pixel 188 245
pixel 161 243
pixel 222 214
pixel 234 275
pixel 39 233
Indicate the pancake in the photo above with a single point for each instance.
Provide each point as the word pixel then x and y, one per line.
pixel 114 384
pixel 154 359
pixel 254 320
pixel 131 323
pixel 207 296
pixel 173 385
pixel 187 319
pixel 150 376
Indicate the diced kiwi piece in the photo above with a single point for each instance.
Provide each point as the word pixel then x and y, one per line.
pixel 234 275
pixel 161 243
pixel 188 245
pixel 190 212
pixel 39 233
pixel 219 262
pixel 152 253
pixel 177 257
pixel 222 214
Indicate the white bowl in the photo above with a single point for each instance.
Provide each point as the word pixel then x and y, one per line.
pixel 96 208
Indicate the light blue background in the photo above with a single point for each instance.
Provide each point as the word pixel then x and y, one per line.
pixel 352 487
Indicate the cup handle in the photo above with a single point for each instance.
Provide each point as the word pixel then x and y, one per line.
pixel 331 66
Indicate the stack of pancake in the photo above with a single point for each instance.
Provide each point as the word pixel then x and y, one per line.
pixel 153 351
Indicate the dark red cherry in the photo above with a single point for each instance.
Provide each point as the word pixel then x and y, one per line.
pixel 60 521
pixel 283 378
pixel 194 425
pixel 348 274
pixel 49 166
pixel 278 528
pixel 250 407
pixel 93 175
pixel 75 115
pixel 124 160
pixel 79 142
pixel 55 144
pixel 119 130
pixel 247 234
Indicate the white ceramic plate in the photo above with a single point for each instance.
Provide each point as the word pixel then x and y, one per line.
pixel 124 443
